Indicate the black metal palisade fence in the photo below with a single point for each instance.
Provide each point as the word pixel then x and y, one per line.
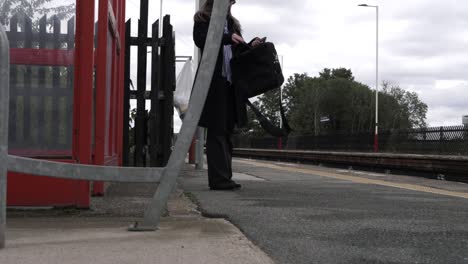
pixel 449 140
pixel 153 131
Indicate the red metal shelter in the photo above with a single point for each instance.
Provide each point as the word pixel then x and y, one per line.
pixel 95 59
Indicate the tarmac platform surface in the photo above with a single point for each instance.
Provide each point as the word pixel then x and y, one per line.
pixel 308 214
pixel 284 213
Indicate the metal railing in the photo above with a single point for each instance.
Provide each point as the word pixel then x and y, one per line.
pixel 448 140
pixel 4 110
pixel 166 176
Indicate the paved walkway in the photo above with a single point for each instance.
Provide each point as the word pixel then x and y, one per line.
pixel 100 236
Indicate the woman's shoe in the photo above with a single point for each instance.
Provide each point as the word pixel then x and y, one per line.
pixel 225 186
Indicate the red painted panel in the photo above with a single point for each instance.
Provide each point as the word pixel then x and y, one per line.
pixel 102 95
pixel 42 57
pixel 107 128
pixel 83 92
pixel 27 190
pixel 37 153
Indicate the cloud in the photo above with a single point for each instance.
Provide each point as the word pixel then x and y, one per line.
pixel 444 116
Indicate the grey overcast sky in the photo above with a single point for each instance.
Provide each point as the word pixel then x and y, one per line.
pixel 423 43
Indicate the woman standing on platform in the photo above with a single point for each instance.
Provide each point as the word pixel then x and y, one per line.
pixel 219 112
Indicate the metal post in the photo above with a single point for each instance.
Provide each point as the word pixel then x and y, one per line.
pixel 4 105
pixel 376 137
pixel 160 30
pixel 200 148
pixel 200 134
pixel 140 120
pixel 160 34
pixel 280 139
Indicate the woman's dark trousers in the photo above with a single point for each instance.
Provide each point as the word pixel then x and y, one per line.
pixel 219 156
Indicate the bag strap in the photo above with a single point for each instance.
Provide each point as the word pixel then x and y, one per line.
pixel 267 125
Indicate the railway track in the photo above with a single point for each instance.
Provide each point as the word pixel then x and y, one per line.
pixel 455 167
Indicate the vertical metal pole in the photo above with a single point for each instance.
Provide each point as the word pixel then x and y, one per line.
pixel 140 120
pixel 376 137
pixel 160 18
pixel 281 92
pixel 160 32
pixel 126 99
pixel 156 86
pixel 200 134
pixel 200 148
pixel 4 105
pixel 280 139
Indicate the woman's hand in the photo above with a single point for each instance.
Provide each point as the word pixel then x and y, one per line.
pixel 237 39
pixel 257 41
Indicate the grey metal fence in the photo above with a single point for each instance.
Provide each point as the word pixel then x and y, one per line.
pixel 166 175
pixel 448 140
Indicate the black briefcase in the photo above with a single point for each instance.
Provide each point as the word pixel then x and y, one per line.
pixel 256 70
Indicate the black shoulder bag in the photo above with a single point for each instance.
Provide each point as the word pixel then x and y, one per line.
pixel 256 70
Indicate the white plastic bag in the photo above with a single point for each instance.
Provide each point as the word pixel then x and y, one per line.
pixel 183 90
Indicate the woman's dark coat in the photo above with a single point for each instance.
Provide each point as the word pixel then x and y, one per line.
pixel 222 111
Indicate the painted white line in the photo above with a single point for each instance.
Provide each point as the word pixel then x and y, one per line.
pixel 287 164
pixel 240 176
pixel 377 175
pixel 245 177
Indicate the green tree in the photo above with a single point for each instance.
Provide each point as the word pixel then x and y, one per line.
pixel 334 101
pixel 269 105
pixel 411 111
pixel 326 74
pixel 327 98
pixel 253 128
pixel 342 73
pixel 304 96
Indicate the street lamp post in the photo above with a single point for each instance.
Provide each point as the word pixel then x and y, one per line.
pixel 376 135
pixel 280 139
